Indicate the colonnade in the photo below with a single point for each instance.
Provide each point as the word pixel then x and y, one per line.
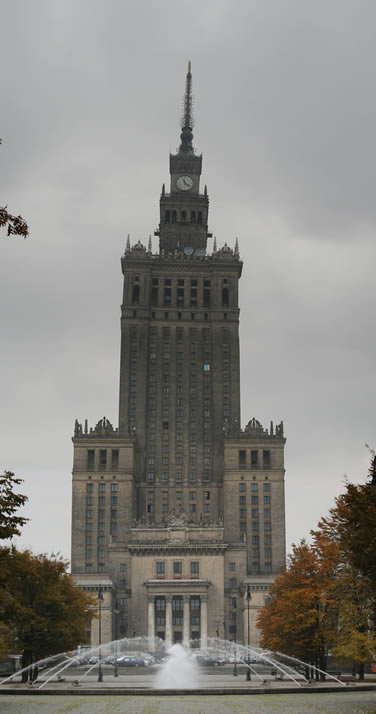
pixel 186 620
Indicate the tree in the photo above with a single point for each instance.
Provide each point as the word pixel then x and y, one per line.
pixel 44 613
pixel 352 524
pixel 16 224
pixel 300 619
pixel 10 502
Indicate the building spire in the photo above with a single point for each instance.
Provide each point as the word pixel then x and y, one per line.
pixel 187 122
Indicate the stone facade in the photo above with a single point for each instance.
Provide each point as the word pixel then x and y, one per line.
pixel 178 510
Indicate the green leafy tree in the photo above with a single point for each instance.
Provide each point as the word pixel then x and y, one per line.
pixel 10 502
pixel 44 613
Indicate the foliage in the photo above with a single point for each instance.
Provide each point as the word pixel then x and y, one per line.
pixel 16 224
pixel 300 619
pixel 10 502
pixel 352 523
pixel 41 609
pixel 326 598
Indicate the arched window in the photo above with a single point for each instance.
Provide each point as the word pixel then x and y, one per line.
pixel 173 217
pixel 199 218
pixel 184 216
pixel 167 217
pixel 193 216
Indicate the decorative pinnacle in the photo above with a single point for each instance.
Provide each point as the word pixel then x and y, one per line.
pixel 187 122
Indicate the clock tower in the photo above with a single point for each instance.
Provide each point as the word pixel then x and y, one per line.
pixel 183 223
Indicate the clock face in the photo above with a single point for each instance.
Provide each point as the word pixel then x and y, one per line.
pixel 184 183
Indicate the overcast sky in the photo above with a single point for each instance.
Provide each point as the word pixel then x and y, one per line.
pixel 285 110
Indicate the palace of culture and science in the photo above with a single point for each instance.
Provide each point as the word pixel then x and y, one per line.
pixel 178 509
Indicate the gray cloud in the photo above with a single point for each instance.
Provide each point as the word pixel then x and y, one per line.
pixel 285 113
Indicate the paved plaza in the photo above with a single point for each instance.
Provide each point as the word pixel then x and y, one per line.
pixel 312 703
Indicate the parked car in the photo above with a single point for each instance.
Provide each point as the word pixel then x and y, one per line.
pixel 128 661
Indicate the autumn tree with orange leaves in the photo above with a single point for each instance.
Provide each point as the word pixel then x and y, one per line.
pixel 325 600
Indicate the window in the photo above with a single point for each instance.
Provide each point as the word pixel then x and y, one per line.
pixel 115 459
pixel 206 507
pixel 255 540
pixel 114 500
pixel 254 486
pixel 177 611
pixel 160 568
pixel 267 526
pixel 266 499
pixel 206 293
pixel 232 567
pixel 114 487
pixel 179 495
pixel 89 540
pixel 266 487
pixel 178 568
pixel 232 582
pixel 89 514
pixel 101 514
pixel 266 458
pixel 268 567
pixel 90 459
pixel 254 512
pixel 207 495
pixel 155 281
pixel 89 567
pixel 123 567
pixel 267 513
pixel 268 552
pixel 195 605
pixel 254 500
pixel 102 487
pixel 102 458
pixel 242 459
pixel 89 500
pixel 242 487
pixel 242 513
pixel 101 500
pixel 192 508
pixel 195 568
pixel 254 458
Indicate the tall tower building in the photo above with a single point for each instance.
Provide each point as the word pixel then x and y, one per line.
pixel 179 509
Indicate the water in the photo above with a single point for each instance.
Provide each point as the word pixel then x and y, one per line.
pixel 180 671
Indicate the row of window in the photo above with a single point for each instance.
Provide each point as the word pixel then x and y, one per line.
pixel 255 458
pixel 98 459
pixel 183 216
pixel 177 567
pixel 254 486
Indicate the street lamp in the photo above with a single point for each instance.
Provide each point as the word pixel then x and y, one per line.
pixel 116 672
pixel 100 598
pixel 248 675
pixel 235 672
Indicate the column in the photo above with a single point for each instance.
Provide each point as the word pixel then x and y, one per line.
pixel 151 621
pixel 168 629
pixel 186 622
pixel 204 621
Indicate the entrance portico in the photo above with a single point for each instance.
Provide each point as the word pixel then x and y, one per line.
pixel 178 612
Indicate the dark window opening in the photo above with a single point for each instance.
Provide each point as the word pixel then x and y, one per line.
pixel 173 217
pixel 167 217
pixel 199 218
pixel 193 216
pixel 242 459
pixel 254 458
pixel 115 459
pixel 90 459
pixel 102 458
pixel 154 291
pixel 266 458
pixel 135 294
pixel 184 216
pixel 225 297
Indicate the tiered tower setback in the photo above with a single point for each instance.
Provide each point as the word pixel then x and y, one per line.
pixel 178 509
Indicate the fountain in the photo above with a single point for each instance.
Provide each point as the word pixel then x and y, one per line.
pixel 176 668
pixel 180 671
